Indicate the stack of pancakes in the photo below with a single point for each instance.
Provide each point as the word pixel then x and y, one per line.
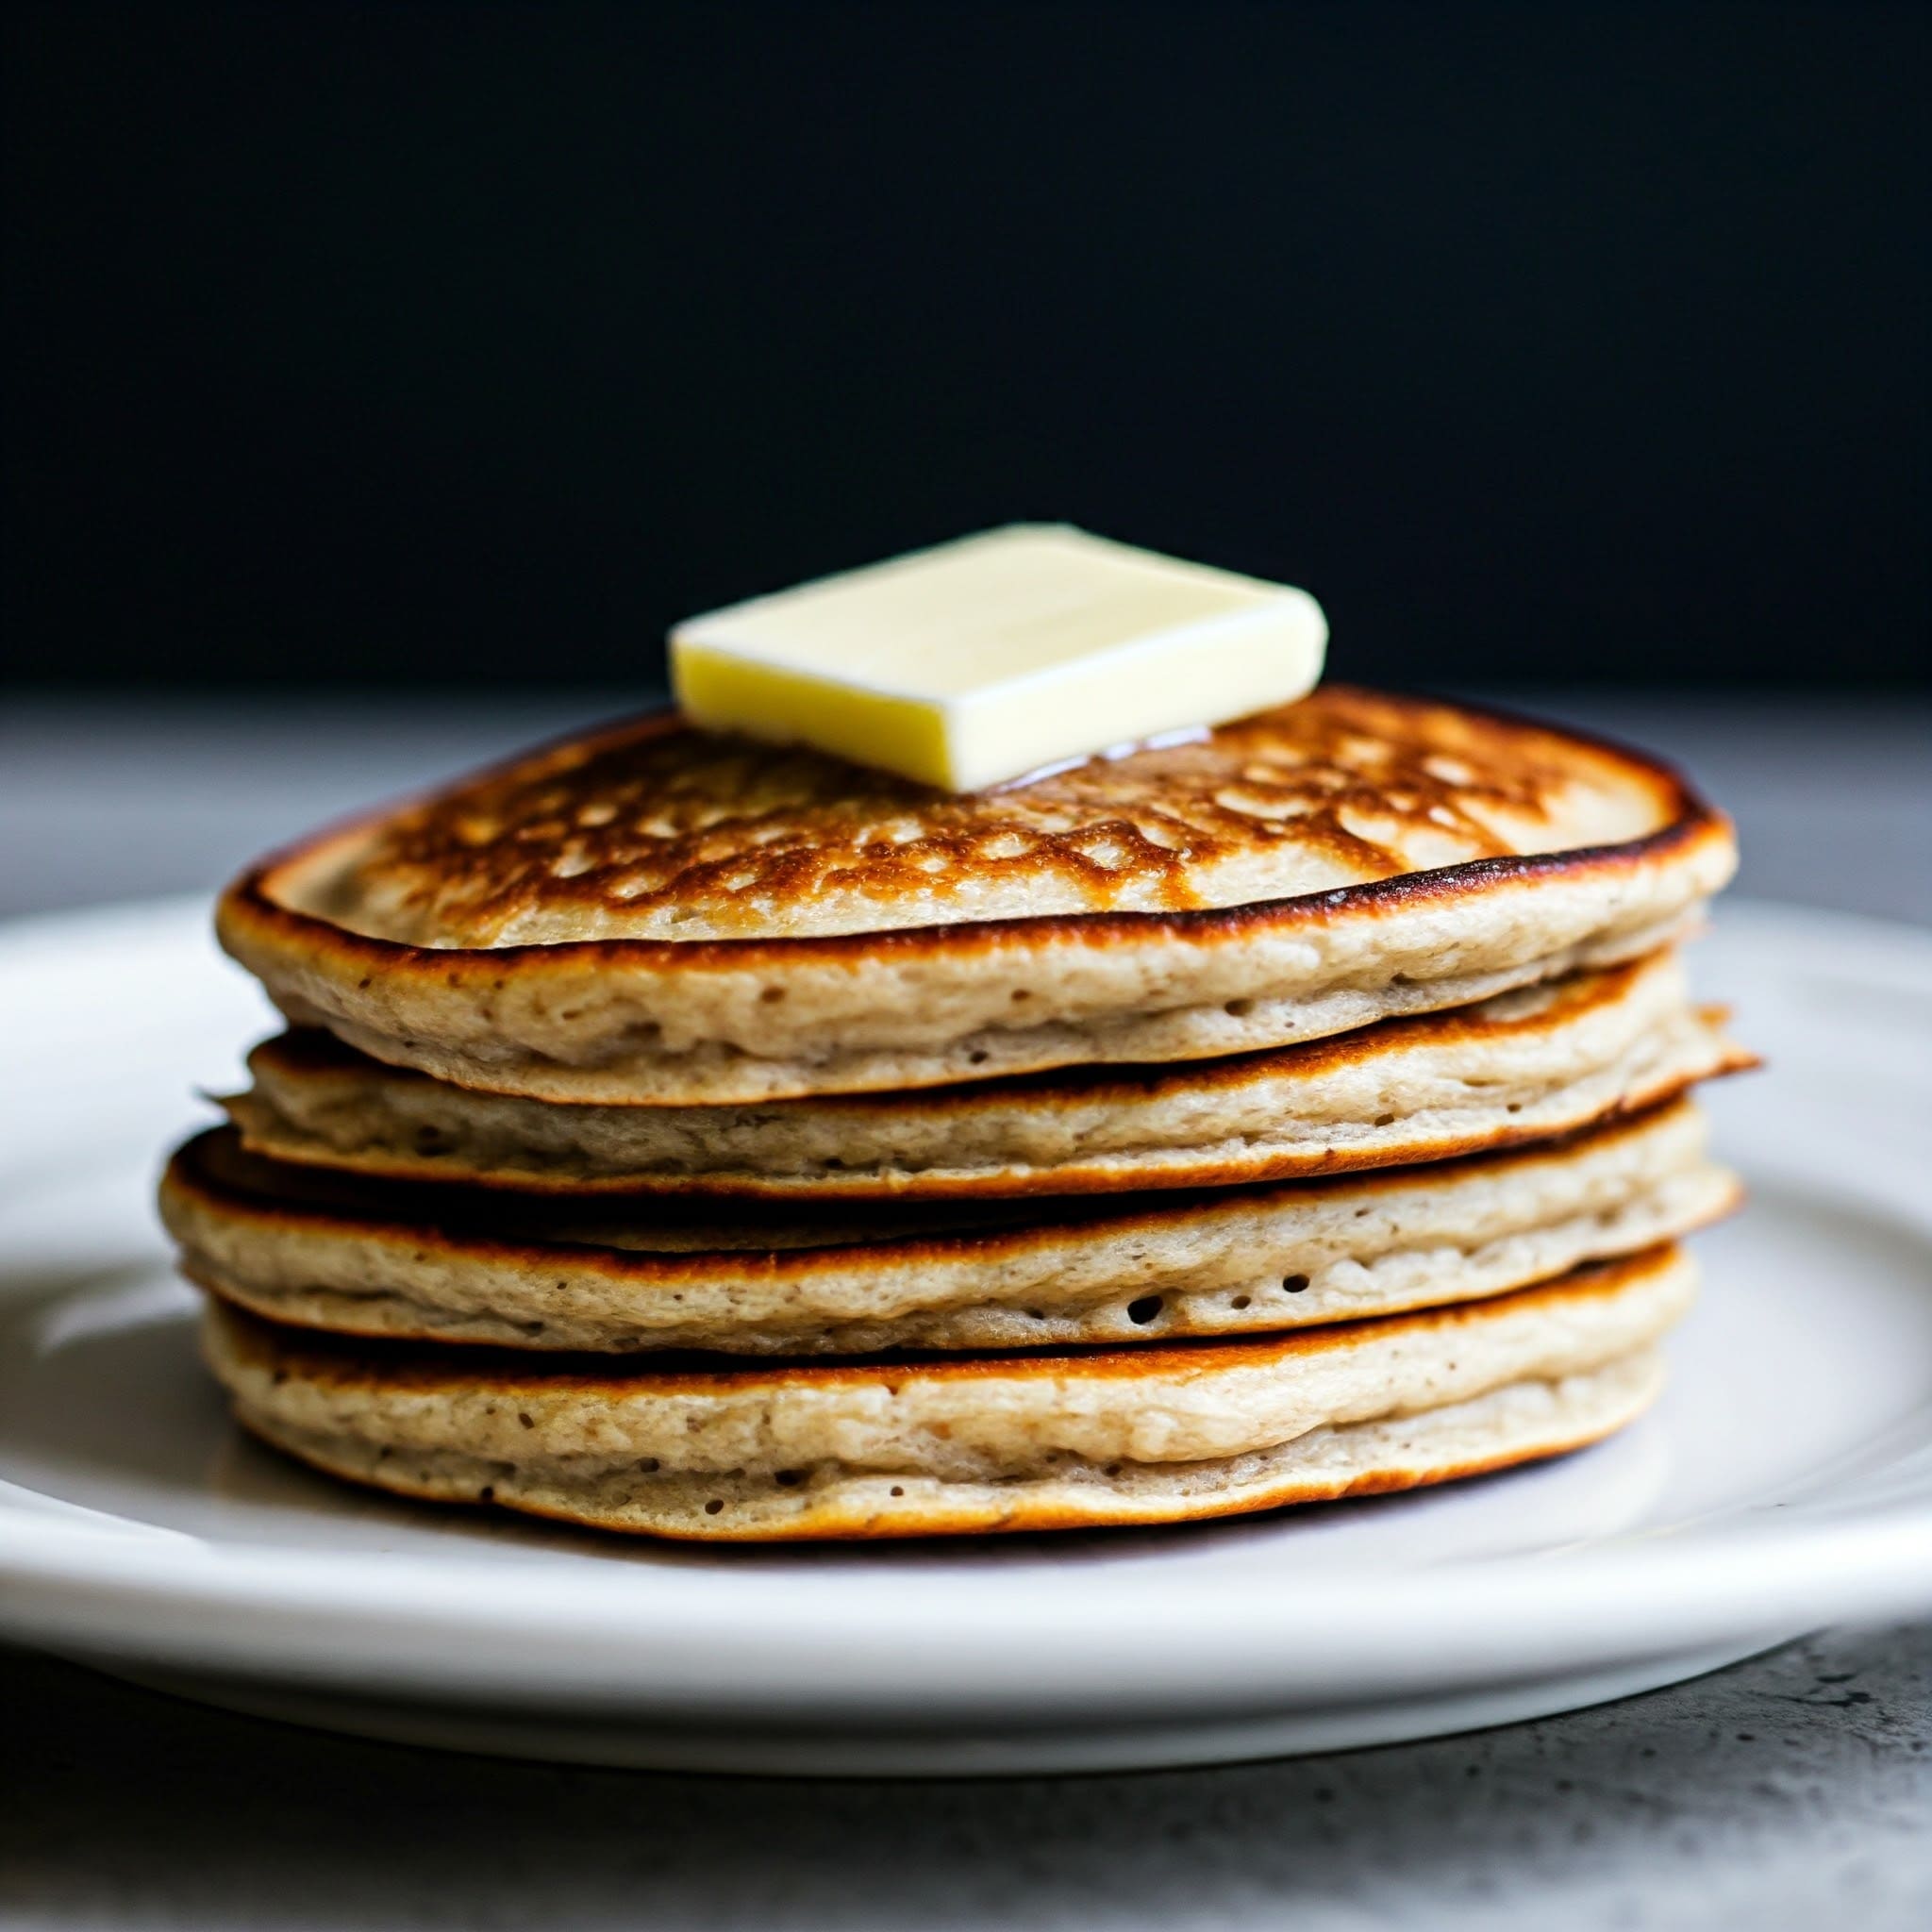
pixel 682 1136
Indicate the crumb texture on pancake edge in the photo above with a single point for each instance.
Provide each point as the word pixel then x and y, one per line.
pixel 974 1419
pixel 1226 1265
pixel 714 1072
pixel 1529 1064
pixel 1519 1423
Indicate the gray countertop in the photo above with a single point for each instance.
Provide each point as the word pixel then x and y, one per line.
pixel 1794 1790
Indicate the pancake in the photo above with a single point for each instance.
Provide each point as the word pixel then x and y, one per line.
pixel 655 914
pixel 318 1250
pixel 899 1447
pixel 1523 1065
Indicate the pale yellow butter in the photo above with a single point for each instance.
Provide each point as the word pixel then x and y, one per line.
pixel 985 659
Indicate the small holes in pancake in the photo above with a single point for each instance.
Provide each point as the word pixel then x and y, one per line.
pixel 1021 995
pixel 978 1057
pixel 1295 1284
pixel 1242 1301
pixel 1514 1106
pixel 487 1493
pixel 1384 1120
pixel 771 996
pixel 648 1465
pixel 524 1417
pixel 788 1478
pixel 897 1491
pixel 1238 1010
pixel 715 1506
pixel 1036 1314
pixel 1144 1310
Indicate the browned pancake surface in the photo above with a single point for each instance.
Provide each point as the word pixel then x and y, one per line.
pixel 655 830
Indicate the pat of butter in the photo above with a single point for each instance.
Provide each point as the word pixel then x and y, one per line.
pixel 988 659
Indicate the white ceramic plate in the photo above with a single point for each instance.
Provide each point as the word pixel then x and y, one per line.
pixel 1785 1480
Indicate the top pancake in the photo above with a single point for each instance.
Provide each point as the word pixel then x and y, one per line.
pixel 658 914
pixel 657 831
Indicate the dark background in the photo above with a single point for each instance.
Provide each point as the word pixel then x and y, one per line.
pixel 432 342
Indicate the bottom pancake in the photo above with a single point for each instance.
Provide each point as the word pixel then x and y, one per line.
pixel 909 1447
